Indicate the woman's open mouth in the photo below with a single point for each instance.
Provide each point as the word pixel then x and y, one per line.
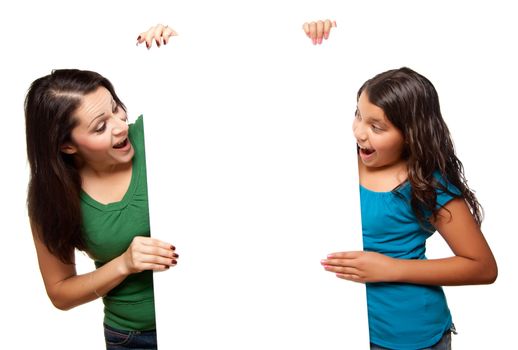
pixel 121 144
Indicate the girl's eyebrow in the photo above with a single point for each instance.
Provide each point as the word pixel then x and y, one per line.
pixel 370 118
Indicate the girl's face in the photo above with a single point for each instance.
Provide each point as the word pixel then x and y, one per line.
pixel 100 139
pixel 380 143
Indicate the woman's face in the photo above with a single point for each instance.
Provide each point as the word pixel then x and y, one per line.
pixel 100 138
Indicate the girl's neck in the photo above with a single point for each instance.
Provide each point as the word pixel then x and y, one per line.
pixel 383 179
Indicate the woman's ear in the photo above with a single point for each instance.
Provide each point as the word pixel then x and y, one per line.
pixel 68 148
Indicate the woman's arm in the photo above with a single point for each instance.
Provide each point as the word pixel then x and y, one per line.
pixel 66 289
pixel 472 263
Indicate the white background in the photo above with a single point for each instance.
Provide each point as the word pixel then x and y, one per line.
pixel 465 48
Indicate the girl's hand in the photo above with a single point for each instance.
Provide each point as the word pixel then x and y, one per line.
pixel 159 33
pixel 146 253
pixel 360 266
pixel 318 30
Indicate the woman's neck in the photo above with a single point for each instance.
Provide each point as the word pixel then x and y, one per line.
pixel 107 185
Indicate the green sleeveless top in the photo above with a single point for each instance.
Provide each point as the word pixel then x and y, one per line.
pixel 109 230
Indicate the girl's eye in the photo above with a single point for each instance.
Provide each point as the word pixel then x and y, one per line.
pixel 101 127
pixel 376 128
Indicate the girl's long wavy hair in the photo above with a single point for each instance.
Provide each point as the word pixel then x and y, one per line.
pixel 53 198
pixel 411 103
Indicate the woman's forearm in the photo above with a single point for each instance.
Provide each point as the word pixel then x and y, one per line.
pixel 79 289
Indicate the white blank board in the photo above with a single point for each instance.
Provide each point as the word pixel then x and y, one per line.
pixel 252 176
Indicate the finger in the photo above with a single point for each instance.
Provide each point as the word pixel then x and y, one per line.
pixel 156 267
pixel 157 35
pixel 149 37
pixel 320 31
pixel 305 27
pixel 344 255
pixel 342 269
pixel 327 28
pixel 168 32
pixel 141 37
pixel 313 32
pixel 156 251
pixel 338 262
pixel 349 277
pixel 155 242
pixel 142 259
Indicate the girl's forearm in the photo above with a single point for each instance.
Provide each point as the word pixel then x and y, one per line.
pixel 451 271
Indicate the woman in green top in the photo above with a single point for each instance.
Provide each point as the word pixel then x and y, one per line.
pixel 88 191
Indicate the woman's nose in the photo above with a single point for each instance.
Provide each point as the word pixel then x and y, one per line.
pixel 120 126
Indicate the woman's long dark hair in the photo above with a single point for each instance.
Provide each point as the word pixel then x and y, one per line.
pixel 411 103
pixel 53 198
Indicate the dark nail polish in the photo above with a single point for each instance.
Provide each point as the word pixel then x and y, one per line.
pixel 173 262
pixel 139 38
pixel 176 255
pixel 173 247
pixel 166 267
pixel 157 43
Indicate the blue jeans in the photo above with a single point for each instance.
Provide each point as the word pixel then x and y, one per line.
pixel 443 344
pixel 117 339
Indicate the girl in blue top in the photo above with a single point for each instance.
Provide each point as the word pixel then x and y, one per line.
pixel 411 184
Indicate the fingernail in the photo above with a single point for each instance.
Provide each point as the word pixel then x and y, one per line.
pixel 157 43
pixel 166 267
pixel 314 41
pixel 173 262
pixel 173 247
pixel 147 45
pixel 176 255
pixel 319 41
pixel 139 38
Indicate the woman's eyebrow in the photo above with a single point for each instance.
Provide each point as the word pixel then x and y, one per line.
pixel 91 121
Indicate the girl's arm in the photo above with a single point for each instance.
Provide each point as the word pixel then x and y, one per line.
pixel 66 289
pixel 472 263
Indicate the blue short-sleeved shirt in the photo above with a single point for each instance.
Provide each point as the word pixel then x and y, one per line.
pixel 401 315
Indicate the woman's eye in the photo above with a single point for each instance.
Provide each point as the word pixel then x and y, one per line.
pixel 376 128
pixel 101 127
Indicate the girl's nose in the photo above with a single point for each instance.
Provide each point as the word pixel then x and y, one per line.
pixel 359 132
